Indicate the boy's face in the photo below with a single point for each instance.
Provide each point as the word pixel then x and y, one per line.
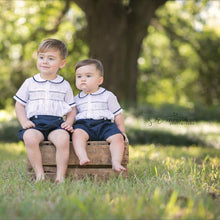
pixel 88 78
pixel 49 62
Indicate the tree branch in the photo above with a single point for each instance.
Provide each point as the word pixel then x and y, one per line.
pixel 57 23
pixel 140 9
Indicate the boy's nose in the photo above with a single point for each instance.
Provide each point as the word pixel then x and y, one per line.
pixel 45 60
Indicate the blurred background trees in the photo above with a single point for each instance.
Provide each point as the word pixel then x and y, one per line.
pixel 180 55
pixel 176 56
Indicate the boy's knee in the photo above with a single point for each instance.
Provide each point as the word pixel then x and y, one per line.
pixel 58 135
pixel 32 136
pixel 79 133
pixel 116 138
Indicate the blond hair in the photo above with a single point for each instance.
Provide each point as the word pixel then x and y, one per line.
pixel 53 44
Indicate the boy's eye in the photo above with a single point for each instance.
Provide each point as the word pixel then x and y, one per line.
pixel 78 77
pixel 88 75
pixel 51 58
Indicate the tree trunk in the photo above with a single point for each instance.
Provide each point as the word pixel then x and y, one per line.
pixel 115 35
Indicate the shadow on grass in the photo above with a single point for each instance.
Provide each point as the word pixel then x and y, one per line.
pixel 172 114
pixel 175 113
pixel 138 136
pixel 9 131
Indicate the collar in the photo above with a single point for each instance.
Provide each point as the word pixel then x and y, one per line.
pixel 39 79
pixel 82 94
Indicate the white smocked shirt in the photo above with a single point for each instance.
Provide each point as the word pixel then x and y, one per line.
pixel 101 104
pixel 45 97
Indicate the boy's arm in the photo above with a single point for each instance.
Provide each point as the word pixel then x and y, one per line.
pixel 119 121
pixel 22 118
pixel 70 118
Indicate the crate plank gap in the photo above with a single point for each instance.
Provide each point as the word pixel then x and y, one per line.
pixel 100 166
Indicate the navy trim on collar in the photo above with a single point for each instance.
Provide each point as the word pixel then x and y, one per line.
pixel 55 81
pixel 99 92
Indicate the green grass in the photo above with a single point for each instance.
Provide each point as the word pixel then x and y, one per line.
pixel 164 183
pixel 174 173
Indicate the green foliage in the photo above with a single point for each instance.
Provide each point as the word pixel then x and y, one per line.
pixel 164 183
pixel 179 60
pixel 178 63
pixel 24 25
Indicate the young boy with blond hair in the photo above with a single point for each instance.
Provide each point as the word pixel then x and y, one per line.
pixel 41 103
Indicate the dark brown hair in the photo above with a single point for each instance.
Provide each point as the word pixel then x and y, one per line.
pixel 86 62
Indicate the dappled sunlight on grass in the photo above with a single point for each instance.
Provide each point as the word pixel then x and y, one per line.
pixel 164 183
pixel 170 155
pixel 134 154
pixel 172 175
pixel 11 150
pixel 181 127
pixel 183 168
pixel 142 130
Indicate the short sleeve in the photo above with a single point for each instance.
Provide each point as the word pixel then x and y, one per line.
pixel 22 94
pixel 69 98
pixel 113 104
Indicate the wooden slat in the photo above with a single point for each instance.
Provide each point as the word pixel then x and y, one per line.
pixel 53 169
pixel 98 153
pixel 100 166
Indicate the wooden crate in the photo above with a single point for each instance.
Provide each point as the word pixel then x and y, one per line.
pixel 98 152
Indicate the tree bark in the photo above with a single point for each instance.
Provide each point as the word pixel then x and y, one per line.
pixel 115 33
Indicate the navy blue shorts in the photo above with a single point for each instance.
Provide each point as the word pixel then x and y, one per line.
pixel 43 123
pixel 98 130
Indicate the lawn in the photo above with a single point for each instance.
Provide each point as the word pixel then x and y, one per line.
pixel 173 174
pixel 165 182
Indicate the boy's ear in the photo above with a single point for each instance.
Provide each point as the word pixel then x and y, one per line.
pixel 101 80
pixel 63 63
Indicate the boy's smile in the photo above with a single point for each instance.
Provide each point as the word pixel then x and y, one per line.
pixel 48 63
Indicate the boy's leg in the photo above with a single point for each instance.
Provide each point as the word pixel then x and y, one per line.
pixel 60 138
pixel 117 149
pixel 32 139
pixel 79 140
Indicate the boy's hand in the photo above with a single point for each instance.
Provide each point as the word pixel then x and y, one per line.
pixel 126 137
pixel 28 124
pixel 67 126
